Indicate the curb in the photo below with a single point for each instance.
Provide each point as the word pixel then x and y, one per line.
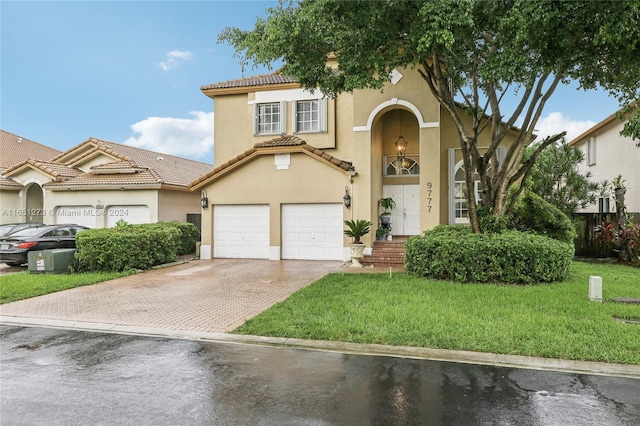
pixel 466 357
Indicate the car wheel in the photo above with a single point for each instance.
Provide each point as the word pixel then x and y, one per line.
pixel 13 265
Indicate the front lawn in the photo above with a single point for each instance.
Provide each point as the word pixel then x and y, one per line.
pixel 548 320
pixel 24 285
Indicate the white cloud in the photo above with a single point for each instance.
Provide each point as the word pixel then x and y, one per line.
pixel 175 58
pixel 555 123
pixel 183 137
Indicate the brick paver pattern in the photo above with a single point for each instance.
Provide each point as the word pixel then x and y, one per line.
pixel 204 295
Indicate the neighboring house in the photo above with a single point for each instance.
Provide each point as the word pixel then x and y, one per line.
pixel 97 183
pixel 608 155
pixel 286 159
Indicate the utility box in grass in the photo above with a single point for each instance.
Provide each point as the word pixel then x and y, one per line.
pixel 54 261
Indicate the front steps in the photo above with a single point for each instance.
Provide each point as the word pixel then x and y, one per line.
pixel 386 253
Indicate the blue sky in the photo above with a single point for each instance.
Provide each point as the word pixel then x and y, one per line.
pixel 131 71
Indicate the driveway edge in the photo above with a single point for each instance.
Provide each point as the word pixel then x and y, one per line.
pixel 466 357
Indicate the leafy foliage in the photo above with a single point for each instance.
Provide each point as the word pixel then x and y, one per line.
pixel 533 214
pixel 357 229
pixel 127 247
pixel 473 54
pixel 556 178
pixel 457 254
pixel 624 239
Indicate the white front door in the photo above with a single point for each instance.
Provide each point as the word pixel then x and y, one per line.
pixel 312 231
pixel 405 217
pixel 241 231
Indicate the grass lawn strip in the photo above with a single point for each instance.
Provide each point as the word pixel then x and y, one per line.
pixel 24 285
pixel 549 320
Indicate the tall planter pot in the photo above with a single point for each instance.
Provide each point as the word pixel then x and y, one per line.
pixel 357 253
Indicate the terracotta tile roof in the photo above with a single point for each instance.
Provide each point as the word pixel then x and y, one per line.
pixel 57 171
pixel 293 143
pixel 135 176
pixel 8 183
pixel 170 169
pixel 258 80
pixel 15 149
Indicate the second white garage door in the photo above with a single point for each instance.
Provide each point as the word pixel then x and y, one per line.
pixel 312 231
pixel 241 231
pixel 133 215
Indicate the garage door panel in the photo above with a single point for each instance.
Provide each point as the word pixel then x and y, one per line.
pixel 312 231
pixel 133 215
pixel 80 215
pixel 241 231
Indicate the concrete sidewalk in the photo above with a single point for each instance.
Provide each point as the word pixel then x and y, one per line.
pixel 203 300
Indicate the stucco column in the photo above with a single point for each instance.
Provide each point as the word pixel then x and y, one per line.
pixel 430 178
pixel 361 201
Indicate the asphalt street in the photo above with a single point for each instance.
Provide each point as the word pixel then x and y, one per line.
pixel 64 377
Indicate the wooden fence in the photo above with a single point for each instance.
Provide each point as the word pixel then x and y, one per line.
pixel 586 243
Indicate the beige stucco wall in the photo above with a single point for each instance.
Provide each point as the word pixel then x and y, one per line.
pixel 175 205
pixel 10 209
pixel 233 124
pixel 615 155
pixel 258 182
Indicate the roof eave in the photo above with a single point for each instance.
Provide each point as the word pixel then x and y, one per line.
pixel 211 93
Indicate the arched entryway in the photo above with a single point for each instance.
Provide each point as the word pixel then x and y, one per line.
pixel 399 141
pixel 34 203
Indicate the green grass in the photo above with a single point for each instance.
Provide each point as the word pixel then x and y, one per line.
pixel 24 285
pixel 548 320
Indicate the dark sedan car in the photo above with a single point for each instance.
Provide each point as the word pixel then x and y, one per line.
pixel 10 228
pixel 14 248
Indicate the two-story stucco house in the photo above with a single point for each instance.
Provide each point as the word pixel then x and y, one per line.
pixel 291 165
pixel 608 155
pixel 96 183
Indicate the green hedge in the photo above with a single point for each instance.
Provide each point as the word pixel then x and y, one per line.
pixel 532 213
pixel 128 247
pixel 455 253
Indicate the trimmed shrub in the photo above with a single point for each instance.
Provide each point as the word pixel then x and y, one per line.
pixel 456 253
pixel 126 247
pixel 531 213
pixel 187 238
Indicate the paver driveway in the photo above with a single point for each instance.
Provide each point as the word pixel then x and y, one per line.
pixel 203 295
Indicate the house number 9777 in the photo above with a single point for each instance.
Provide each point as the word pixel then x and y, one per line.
pixel 429 197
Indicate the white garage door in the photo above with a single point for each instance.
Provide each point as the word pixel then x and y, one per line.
pixel 312 231
pixel 131 214
pixel 80 215
pixel 241 231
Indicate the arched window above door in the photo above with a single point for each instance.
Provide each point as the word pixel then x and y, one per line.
pixel 406 166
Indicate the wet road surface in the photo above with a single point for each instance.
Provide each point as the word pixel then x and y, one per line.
pixel 61 377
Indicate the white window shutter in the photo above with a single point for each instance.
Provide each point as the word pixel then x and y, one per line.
pixel 452 189
pixel 322 111
pixel 294 117
pixel 283 117
pixel 255 119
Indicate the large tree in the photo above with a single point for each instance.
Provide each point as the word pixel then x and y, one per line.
pixel 473 56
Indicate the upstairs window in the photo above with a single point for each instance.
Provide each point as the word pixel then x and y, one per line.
pixel 269 118
pixel 310 116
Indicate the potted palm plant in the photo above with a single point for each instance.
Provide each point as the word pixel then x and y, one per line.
pixel 387 205
pixel 356 230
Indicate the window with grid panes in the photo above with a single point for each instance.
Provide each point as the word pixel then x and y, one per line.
pixel 268 118
pixel 307 116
